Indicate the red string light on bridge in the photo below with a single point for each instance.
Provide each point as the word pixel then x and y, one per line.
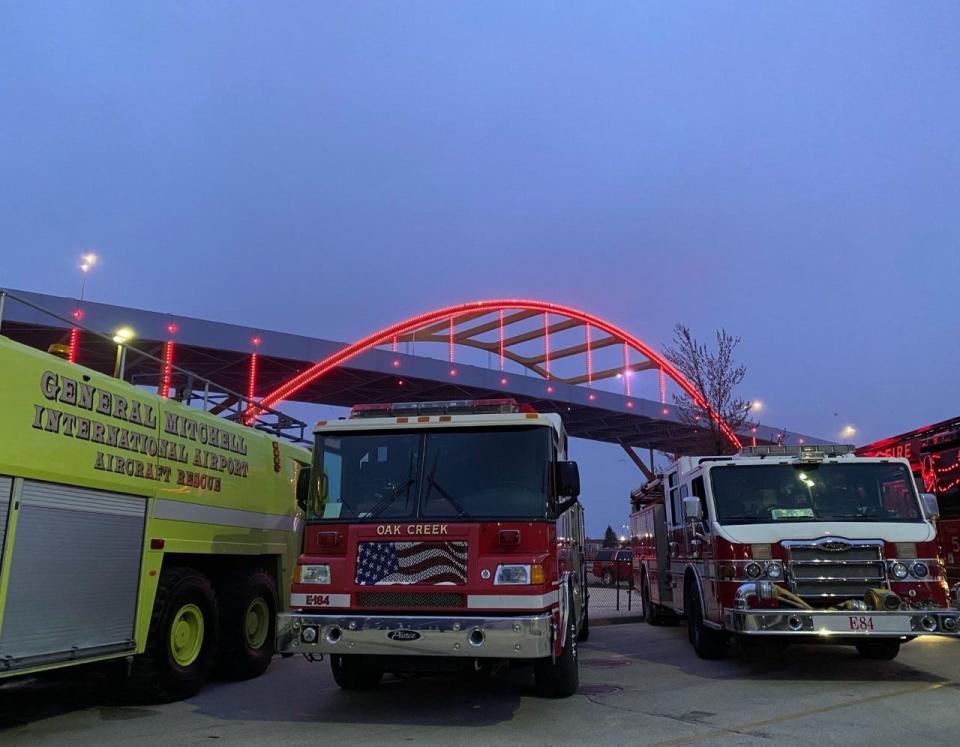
pixel 626 368
pixel 546 345
pixel 501 339
pixel 589 354
pixel 252 372
pixel 75 336
pixel 167 375
pixel 450 351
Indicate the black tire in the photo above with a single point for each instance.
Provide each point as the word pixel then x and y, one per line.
pixel 584 633
pixel 560 677
pixel 185 599
pixel 248 615
pixel 709 644
pixel 879 650
pixel 355 672
pixel 607 578
pixel 651 615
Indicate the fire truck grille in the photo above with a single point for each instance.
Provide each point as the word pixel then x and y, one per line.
pixel 831 570
pixel 411 600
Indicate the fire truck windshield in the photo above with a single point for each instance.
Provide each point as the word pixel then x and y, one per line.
pixel 444 473
pixel 757 494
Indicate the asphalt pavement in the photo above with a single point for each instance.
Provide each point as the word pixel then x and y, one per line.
pixel 639 685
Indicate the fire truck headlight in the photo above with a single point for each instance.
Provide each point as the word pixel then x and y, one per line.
pixel 920 569
pixel 753 570
pixel 518 574
pixel 898 570
pixel 314 574
pixel 774 571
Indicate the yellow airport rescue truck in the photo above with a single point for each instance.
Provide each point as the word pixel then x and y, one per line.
pixel 137 527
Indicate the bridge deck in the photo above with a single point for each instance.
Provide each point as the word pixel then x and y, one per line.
pixel 221 352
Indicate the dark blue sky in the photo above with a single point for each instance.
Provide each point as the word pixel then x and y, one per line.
pixel 788 170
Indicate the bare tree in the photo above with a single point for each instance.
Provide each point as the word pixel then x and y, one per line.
pixel 715 376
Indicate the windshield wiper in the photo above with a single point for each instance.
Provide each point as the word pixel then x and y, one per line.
pixel 443 493
pixel 447 497
pixel 386 501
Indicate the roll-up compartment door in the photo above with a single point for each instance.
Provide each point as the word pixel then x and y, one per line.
pixel 6 486
pixel 74 574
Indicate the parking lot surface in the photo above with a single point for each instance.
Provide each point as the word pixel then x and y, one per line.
pixel 639 685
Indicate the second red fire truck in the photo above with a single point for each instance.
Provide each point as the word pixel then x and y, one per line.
pixel 806 543
pixel 441 535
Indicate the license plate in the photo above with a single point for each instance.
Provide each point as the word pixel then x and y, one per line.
pixel 862 623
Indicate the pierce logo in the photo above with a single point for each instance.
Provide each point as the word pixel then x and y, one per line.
pixel 403 635
pixel 835 546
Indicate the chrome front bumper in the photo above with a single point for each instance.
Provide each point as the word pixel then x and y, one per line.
pixel 521 637
pixel 868 624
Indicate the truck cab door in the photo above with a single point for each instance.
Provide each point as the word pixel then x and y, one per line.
pixel 700 547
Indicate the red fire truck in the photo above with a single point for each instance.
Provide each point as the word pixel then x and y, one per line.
pixel 441 535
pixel 803 543
pixel 934 455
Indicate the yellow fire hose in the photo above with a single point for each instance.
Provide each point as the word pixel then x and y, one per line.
pixel 876 599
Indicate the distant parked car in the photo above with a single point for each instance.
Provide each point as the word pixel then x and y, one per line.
pixel 612 565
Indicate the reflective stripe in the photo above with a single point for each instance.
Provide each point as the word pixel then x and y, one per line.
pixel 319 599
pixel 512 601
pixel 228 517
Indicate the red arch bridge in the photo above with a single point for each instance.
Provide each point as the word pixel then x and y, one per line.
pixel 608 384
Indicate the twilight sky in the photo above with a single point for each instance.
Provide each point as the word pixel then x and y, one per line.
pixel 790 171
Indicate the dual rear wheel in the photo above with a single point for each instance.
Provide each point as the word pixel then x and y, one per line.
pixel 196 629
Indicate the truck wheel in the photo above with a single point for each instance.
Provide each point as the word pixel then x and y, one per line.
pixel 708 644
pixel 559 678
pixel 248 613
pixel 652 613
pixel 182 639
pixel 584 632
pixel 355 672
pixel 880 650
pixel 607 578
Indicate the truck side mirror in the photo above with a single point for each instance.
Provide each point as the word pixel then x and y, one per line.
pixel 692 508
pixel 303 488
pixel 568 480
pixel 931 507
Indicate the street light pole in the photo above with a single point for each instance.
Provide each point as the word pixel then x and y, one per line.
pixel 86 262
pixel 120 362
pixel 122 336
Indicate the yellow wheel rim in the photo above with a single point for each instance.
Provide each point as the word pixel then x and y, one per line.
pixel 186 635
pixel 256 622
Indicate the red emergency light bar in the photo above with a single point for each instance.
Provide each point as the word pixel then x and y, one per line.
pixel 451 407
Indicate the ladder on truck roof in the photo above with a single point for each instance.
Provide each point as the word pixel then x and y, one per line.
pixel 194 391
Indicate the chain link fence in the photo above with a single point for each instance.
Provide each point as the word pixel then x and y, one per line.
pixel 610 580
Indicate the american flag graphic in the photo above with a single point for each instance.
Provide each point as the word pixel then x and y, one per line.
pixel 412 563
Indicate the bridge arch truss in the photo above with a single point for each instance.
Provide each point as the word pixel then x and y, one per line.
pixel 519 331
